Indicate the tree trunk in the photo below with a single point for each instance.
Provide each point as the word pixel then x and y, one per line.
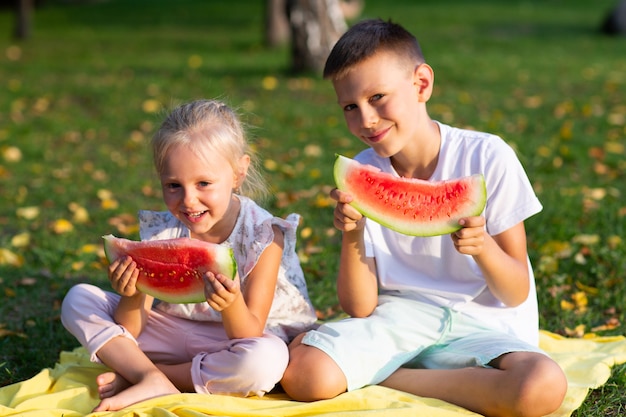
pixel 276 24
pixel 316 25
pixel 23 19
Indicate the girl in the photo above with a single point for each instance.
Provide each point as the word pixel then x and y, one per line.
pixel 234 343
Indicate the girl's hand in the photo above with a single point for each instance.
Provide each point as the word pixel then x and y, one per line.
pixel 221 291
pixel 123 275
pixel 347 218
pixel 470 239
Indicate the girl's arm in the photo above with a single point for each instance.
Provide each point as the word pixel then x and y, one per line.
pixel 502 258
pixel 132 310
pixel 244 311
pixel 357 286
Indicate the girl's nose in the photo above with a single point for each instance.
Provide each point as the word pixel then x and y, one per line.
pixel 189 197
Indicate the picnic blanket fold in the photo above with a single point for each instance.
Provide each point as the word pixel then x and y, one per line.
pixel 69 390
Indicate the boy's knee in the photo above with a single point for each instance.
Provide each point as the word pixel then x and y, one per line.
pixel 312 375
pixel 542 390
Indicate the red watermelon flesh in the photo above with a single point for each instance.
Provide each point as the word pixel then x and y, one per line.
pixel 172 270
pixel 407 205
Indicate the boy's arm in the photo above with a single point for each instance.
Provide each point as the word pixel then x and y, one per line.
pixel 357 287
pixel 502 258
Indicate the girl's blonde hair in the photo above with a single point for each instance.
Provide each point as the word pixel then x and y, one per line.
pixel 224 134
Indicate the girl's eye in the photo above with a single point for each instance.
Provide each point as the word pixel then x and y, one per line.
pixel 349 107
pixel 204 183
pixel 376 97
pixel 172 185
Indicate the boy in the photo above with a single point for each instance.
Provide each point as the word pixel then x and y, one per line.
pixel 449 317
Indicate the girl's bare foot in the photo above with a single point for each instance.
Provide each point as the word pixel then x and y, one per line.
pixel 154 384
pixel 111 383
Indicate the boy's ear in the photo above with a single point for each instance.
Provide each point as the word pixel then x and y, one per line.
pixel 423 79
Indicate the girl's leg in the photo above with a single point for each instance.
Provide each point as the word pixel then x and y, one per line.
pixel 87 313
pixel 520 384
pixel 142 380
pixel 246 367
pixel 199 356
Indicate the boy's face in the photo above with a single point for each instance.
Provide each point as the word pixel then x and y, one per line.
pixel 383 102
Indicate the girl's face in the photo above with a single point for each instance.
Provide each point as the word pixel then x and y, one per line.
pixel 199 192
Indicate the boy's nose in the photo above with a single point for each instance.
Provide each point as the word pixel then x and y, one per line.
pixel 369 117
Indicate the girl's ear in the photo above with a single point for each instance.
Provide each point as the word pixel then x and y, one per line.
pixel 242 171
pixel 423 79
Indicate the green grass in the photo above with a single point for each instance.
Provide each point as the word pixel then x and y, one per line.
pixel 82 96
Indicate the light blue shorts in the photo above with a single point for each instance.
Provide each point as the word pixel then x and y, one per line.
pixel 412 334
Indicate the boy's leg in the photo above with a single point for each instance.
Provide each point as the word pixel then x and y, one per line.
pixel 311 374
pixel 351 353
pixel 519 384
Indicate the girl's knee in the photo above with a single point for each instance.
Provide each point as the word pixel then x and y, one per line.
pixel 251 367
pixel 75 301
pixel 263 357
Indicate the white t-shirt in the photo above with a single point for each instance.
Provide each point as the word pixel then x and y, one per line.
pixel 291 312
pixel 429 268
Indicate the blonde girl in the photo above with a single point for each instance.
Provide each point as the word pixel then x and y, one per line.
pixel 235 342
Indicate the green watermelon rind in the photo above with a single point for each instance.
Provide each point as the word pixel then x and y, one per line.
pixel 224 258
pixel 343 165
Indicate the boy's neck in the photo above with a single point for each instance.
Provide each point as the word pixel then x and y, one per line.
pixel 420 160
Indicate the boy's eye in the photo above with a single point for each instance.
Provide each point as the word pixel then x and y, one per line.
pixel 204 183
pixel 376 97
pixel 172 185
pixel 349 107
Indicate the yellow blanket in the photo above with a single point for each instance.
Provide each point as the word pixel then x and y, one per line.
pixel 69 390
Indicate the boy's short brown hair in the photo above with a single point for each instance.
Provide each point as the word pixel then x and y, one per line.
pixel 366 38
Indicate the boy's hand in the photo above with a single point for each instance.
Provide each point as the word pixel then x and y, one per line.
pixel 123 275
pixel 221 291
pixel 469 240
pixel 346 218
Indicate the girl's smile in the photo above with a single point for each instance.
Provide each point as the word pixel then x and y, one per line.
pixel 195 217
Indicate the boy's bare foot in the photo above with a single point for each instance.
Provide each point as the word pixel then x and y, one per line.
pixel 151 385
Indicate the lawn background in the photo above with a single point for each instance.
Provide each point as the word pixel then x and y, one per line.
pixel 80 99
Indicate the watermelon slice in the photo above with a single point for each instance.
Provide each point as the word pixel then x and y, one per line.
pixel 410 206
pixel 172 270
